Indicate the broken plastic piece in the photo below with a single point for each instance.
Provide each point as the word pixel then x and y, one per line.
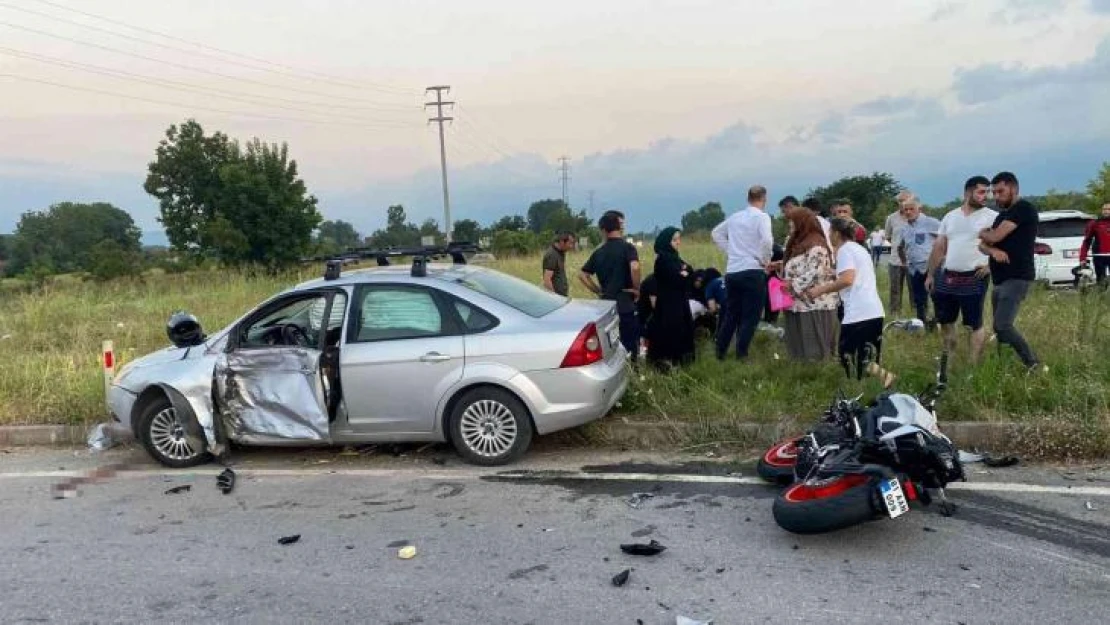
pixel 178 489
pixel 100 438
pixel 289 540
pixel 637 499
pixel 407 552
pixel 1004 461
pixel 967 457
pixel 684 620
pixel 620 579
pixel 639 549
pixel 226 481
pixel 1092 507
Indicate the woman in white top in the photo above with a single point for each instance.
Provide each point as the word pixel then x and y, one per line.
pixel 861 331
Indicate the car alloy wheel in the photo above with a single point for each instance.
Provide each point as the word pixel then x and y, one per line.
pixel 488 428
pixel 168 436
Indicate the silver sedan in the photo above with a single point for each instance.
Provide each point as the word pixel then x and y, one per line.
pixel 456 353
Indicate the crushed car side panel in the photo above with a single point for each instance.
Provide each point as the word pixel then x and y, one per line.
pixel 268 395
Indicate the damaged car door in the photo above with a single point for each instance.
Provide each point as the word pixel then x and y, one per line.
pixel 272 383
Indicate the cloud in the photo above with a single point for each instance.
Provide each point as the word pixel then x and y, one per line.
pixel 1100 6
pixel 1020 11
pixel 947 10
pixel 885 106
pixel 991 82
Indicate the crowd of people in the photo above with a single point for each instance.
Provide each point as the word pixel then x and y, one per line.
pixel 822 278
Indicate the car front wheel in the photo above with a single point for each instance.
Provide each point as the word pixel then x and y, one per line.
pixel 490 427
pixel 166 439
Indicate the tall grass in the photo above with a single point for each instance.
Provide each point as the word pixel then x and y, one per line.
pixel 50 372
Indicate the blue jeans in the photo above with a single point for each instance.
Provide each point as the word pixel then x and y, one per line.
pixel 630 333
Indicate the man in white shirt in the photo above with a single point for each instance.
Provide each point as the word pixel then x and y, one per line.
pixel 745 237
pixel 877 242
pixel 961 288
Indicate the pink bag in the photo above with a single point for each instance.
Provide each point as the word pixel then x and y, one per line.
pixel 780 297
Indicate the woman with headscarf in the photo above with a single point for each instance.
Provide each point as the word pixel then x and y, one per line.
pixel 810 324
pixel 671 325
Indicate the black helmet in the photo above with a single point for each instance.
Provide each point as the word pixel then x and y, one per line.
pixel 184 329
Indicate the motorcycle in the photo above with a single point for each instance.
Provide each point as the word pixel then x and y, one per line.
pixel 861 463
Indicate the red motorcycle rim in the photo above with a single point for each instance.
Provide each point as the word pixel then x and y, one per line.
pixel 782 455
pixel 833 488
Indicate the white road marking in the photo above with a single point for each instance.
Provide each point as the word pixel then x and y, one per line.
pixel 524 476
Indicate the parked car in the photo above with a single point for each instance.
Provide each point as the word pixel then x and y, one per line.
pixel 1059 236
pixel 441 352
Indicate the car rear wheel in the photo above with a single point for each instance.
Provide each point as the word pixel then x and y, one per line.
pixel 166 439
pixel 490 427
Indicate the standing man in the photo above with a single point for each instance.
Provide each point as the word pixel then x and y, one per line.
pixel 1096 241
pixel 555 264
pixel 877 242
pixel 1009 243
pixel 617 266
pixel 745 236
pixel 843 210
pixel 897 271
pixel 961 289
pixel 918 236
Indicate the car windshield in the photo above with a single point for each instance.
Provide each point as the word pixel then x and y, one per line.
pixel 1057 228
pixel 511 291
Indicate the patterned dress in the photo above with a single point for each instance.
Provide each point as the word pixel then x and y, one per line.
pixel 811 324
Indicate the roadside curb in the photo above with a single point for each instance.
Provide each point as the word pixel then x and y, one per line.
pixel 612 430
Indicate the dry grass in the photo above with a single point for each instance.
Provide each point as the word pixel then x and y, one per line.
pixel 50 372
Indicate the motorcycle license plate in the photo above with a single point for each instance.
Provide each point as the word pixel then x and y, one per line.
pixel 894 498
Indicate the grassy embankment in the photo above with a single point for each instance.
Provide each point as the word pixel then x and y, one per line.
pixel 49 370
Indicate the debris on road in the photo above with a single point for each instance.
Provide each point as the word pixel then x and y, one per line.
pixel 684 620
pixel 967 457
pixel 68 488
pixel 289 540
pixel 928 529
pixel 620 579
pixel 637 499
pixel 1092 507
pixel 407 552
pixel 226 481
pixel 639 549
pixel 184 488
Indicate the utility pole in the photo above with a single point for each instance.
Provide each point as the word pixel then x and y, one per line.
pixel 591 194
pixel 439 118
pixel 564 169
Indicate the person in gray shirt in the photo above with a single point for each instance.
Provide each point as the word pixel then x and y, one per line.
pixel 897 271
pixel 915 246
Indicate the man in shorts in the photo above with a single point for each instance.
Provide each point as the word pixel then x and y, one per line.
pixel 958 271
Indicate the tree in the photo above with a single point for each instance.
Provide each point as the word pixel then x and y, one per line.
pixel 61 239
pixel 399 232
pixel 1056 200
pixel 245 207
pixel 872 197
pixel 703 219
pixel 108 259
pixel 1099 189
pixel 540 214
pixel 338 233
pixel 430 228
pixel 511 223
pixel 467 230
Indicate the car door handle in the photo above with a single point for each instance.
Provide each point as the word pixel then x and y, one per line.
pixel 434 357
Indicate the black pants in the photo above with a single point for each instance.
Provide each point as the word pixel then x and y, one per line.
pixel 1102 268
pixel 746 291
pixel 630 333
pixel 861 343
pixel 1006 300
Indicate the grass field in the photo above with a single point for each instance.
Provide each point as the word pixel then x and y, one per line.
pixel 50 347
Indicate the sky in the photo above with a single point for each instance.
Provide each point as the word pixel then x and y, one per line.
pixel 659 105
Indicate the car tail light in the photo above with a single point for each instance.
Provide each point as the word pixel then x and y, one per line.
pixel 1042 249
pixel 585 350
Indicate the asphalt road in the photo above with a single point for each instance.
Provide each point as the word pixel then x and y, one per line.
pixel 537 545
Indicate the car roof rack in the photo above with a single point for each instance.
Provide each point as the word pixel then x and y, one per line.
pixel 420 256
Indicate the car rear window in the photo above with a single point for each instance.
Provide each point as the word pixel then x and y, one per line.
pixel 509 290
pixel 1059 228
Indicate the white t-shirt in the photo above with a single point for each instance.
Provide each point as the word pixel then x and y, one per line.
pixel 877 238
pixel 861 300
pixel 962 232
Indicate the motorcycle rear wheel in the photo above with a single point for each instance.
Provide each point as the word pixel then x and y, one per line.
pixel 829 506
pixel 777 463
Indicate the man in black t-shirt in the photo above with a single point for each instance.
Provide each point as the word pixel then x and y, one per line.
pixel 1009 243
pixel 616 264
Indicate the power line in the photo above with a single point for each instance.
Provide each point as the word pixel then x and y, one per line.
pixel 178 104
pixel 564 170
pixel 468 113
pixel 174 84
pixel 439 118
pixel 169 63
pixel 289 70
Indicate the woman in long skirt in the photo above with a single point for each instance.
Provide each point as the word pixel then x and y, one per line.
pixel 810 324
pixel 672 324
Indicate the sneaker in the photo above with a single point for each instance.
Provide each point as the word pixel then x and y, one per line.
pixel 1035 368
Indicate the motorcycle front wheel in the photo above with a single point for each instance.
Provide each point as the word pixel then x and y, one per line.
pixel 828 505
pixel 777 464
